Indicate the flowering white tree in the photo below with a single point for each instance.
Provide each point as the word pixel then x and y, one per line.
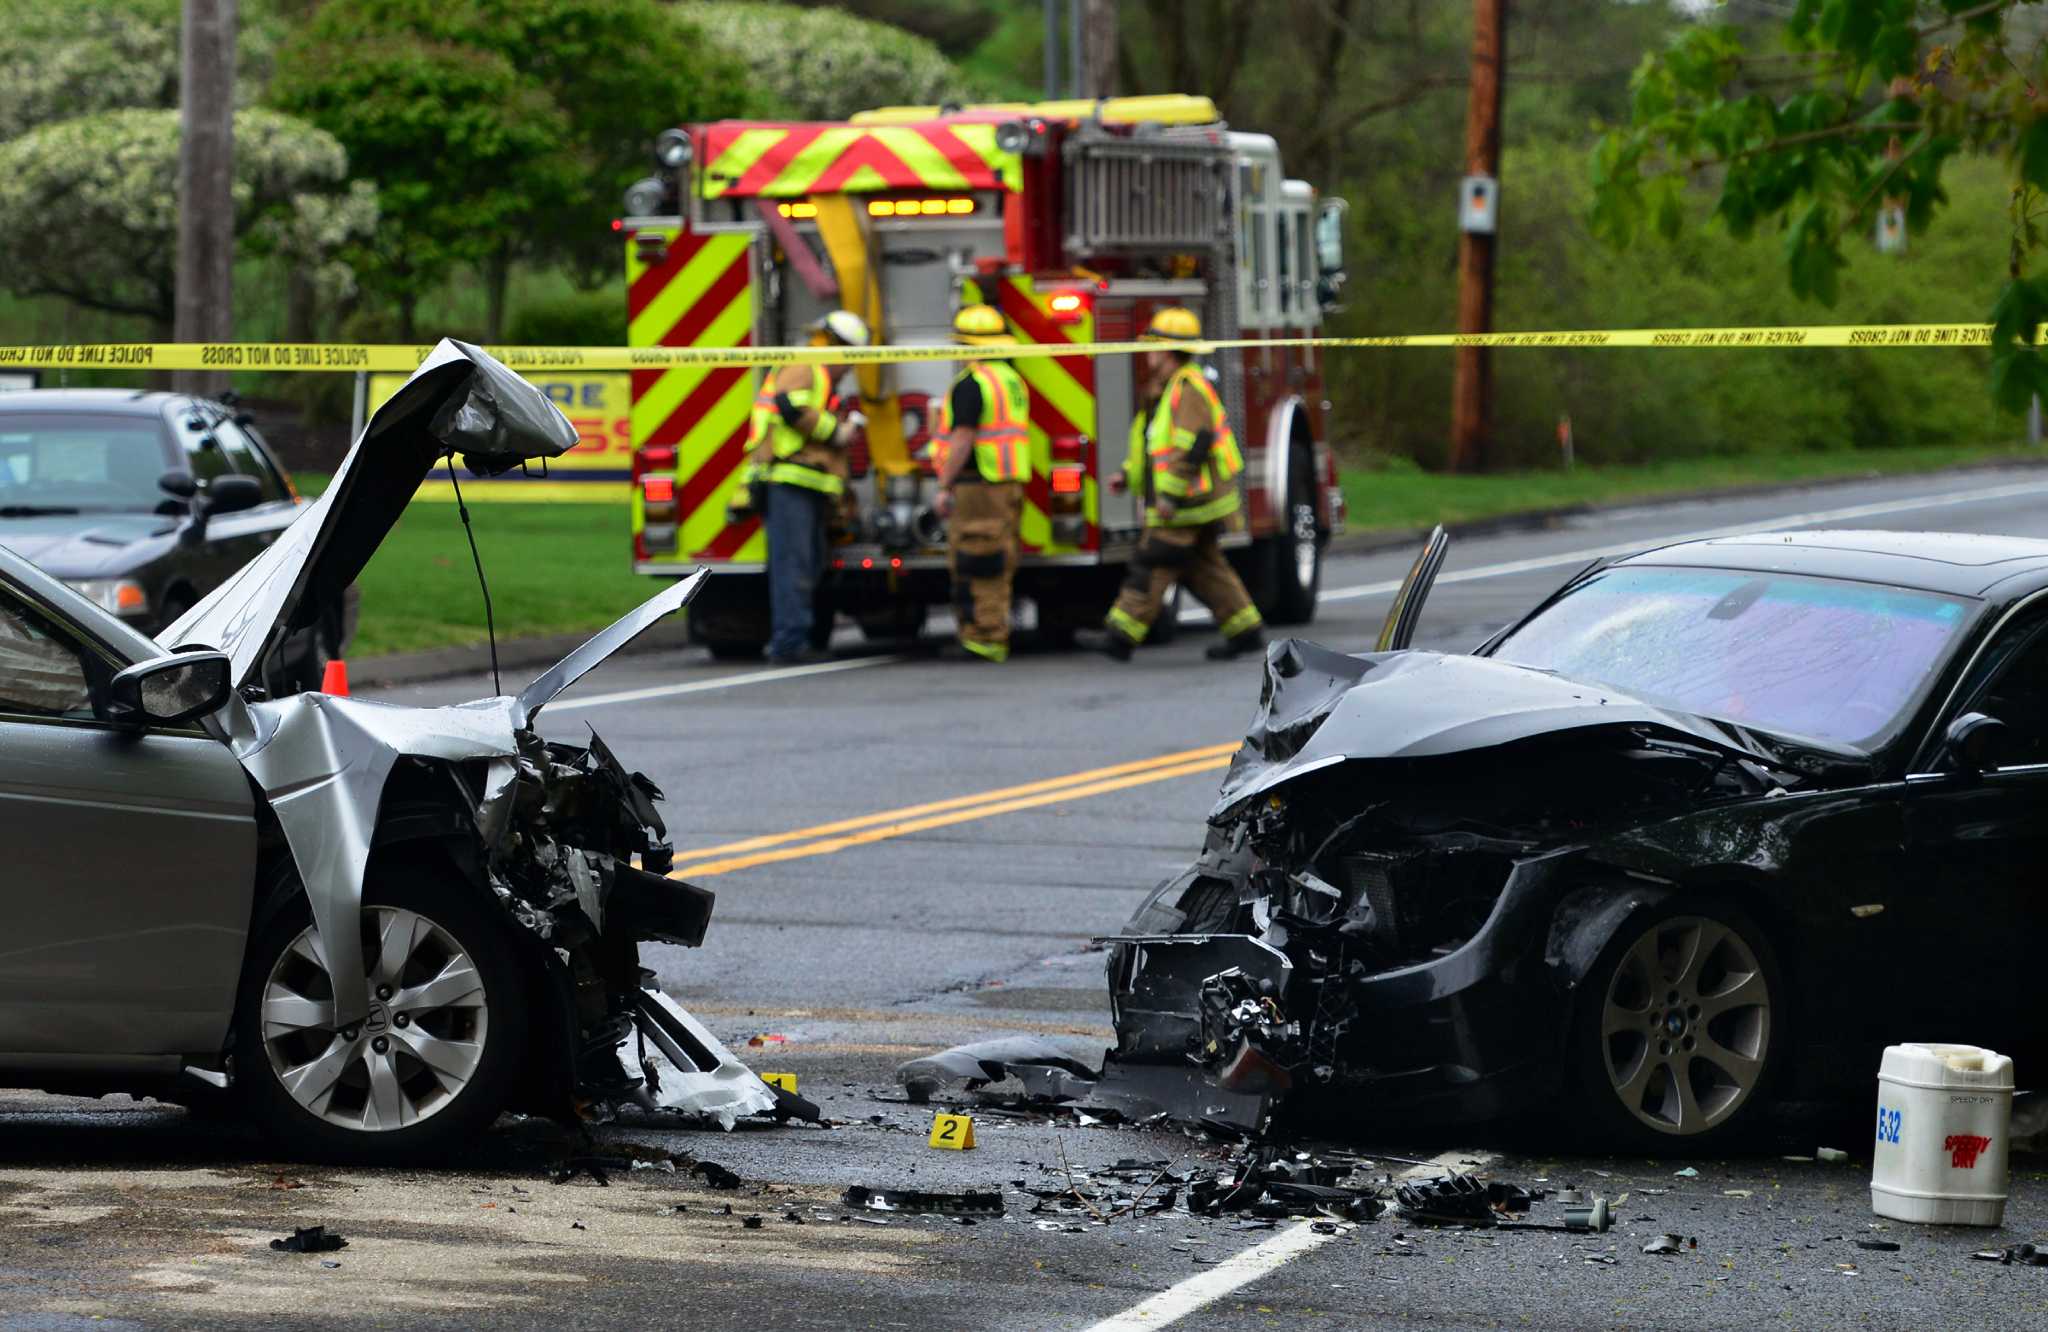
pixel 88 206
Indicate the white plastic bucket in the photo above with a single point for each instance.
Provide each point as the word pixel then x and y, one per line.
pixel 1944 1115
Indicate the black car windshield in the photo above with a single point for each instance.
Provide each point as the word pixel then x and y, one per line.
pixel 79 463
pixel 1811 657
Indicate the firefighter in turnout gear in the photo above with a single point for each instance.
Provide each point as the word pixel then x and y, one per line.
pixel 793 477
pixel 1185 456
pixel 985 431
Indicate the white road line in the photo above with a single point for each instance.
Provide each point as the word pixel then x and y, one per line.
pixel 722 682
pixel 1808 519
pixel 1242 1268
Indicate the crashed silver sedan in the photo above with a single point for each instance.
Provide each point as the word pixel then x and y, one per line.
pixel 372 927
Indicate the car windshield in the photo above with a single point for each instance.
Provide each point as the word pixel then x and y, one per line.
pixel 1811 657
pixel 65 464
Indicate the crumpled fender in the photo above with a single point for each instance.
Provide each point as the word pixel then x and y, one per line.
pixel 322 762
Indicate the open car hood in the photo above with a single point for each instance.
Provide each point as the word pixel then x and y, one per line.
pixel 460 400
pixel 1320 708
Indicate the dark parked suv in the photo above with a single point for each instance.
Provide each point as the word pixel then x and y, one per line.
pixel 145 502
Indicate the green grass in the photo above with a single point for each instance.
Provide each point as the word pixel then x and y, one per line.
pixel 562 568
pixel 1401 496
pixel 553 569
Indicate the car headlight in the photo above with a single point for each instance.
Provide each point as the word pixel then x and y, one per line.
pixel 117 596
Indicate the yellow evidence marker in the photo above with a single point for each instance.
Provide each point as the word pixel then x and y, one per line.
pixel 954 1133
pixel 786 1081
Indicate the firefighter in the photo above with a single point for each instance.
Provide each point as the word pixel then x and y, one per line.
pixel 987 461
pixel 794 476
pixel 1184 455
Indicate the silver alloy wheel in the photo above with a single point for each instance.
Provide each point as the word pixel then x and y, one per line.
pixel 1304 530
pixel 415 1052
pixel 1686 1025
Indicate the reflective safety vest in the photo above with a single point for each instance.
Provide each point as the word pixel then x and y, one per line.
pixel 784 442
pixel 1161 442
pixel 1002 442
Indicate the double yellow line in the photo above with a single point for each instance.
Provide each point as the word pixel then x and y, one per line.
pixel 827 838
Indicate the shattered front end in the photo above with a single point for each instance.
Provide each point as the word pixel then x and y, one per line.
pixel 1373 925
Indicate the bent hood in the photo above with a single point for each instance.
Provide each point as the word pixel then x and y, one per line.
pixel 460 400
pixel 1320 708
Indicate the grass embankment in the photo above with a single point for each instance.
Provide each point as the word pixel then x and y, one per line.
pixel 1401 496
pixel 562 568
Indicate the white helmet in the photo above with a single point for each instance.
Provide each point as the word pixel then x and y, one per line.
pixel 844 326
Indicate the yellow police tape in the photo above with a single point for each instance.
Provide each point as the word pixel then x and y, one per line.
pixel 314 356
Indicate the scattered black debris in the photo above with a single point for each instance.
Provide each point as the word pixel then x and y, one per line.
pixel 1600 1260
pixel 1460 1200
pixel 598 1168
pixel 914 1200
pixel 2027 1255
pixel 578 1225
pixel 679 1209
pixel 1878 1246
pixel 1447 1200
pixel 1670 1244
pixel 793 1216
pixel 750 1222
pixel 716 1175
pixel 310 1239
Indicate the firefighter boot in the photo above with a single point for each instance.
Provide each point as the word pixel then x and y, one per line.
pixel 1117 647
pixel 1250 641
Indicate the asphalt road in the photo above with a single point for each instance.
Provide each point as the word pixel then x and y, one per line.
pixel 856 947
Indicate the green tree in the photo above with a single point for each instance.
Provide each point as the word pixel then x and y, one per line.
pixel 822 64
pixel 89 208
pixel 1813 122
pixel 498 131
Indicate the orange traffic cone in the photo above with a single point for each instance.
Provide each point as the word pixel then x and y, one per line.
pixel 334 678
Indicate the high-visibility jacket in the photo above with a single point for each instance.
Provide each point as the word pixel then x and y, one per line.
pixel 793 459
pixel 1002 442
pixel 1162 453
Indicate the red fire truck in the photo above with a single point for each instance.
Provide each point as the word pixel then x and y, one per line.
pixel 1077 220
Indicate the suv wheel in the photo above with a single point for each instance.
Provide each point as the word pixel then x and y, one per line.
pixel 431 1064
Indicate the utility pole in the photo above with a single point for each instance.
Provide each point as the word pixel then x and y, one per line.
pixel 1472 381
pixel 203 307
pixel 1098 48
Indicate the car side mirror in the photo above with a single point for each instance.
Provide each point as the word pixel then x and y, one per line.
pixel 164 691
pixel 179 484
pixel 1976 743
pixel 232 494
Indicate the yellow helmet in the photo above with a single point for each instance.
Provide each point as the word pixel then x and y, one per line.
pixel 982 325
pixel 1174 323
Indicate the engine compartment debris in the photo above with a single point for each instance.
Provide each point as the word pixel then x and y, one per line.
pixel 309 1239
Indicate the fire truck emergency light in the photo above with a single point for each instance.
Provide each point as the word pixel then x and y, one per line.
pixel 1066 307
pixel 672 148
pixel 797 210
pixel 959 205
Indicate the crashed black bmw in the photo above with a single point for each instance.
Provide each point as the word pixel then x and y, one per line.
pixel 1703 831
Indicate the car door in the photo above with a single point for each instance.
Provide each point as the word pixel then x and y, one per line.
pixel 1978 845
pixel 130 860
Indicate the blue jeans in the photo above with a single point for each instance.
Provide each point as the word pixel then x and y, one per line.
pixel 796 556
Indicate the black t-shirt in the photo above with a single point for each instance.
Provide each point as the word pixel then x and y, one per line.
pixel 966 403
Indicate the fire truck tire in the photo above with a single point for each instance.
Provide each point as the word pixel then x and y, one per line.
pixel 1167 627
pixel 1289 564
pixel 899 624
pixel 730 616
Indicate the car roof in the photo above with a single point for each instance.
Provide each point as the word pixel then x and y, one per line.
pixel 1954 563
pixel 124 402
